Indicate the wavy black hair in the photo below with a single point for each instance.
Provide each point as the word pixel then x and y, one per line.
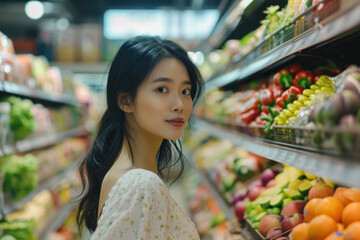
pixel 133 62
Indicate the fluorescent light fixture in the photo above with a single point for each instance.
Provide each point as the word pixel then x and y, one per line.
pixel 34 9
pixel 123 24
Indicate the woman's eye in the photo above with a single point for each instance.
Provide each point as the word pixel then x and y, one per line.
pixel 186 92
pixel 162 90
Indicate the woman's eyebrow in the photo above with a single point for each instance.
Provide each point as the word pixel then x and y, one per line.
pixel 164 79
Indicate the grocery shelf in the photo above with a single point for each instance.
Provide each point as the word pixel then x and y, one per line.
pixel 10 207
pixel 42 141
pixel 83 67
pixel 59 220
pixel 340 170
pixel 225 207
pixel 220 200
pixel 332 27
pixel 21 90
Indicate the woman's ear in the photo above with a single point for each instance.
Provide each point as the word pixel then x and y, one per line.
pixel 124 102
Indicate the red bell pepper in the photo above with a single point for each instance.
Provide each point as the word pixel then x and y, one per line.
pixel 252 103
pixel 266 97
pixel 303 79
pixel 276 90
pixel 294 69
pixel 289 96
pixel 283 78
pixel 250 115
pixel 262 119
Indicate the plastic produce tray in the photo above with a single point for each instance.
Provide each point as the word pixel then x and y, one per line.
pixel 334 141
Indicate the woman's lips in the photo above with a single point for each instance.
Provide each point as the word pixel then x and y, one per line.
pixel 176 122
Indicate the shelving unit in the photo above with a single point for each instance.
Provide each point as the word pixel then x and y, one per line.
pixel 24 91
pixel 58 220
pixel 42 141
pixel 46 185
pixel 337 169
pixel 333 26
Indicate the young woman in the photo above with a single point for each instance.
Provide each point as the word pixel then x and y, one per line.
pixel 152 86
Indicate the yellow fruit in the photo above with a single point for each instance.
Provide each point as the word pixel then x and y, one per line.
pixel 310 176
pixel 315 87
pixel 308 92
pixel 303 98
pixel 298 103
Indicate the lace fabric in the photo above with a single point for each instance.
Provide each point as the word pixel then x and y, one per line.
pixel 139 206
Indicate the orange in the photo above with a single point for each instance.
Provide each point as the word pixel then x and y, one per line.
pixel 321 226
pixel 353 194
pixel 351 213
pixel 332 207
pixel 300 232
pixel 352 232
pixel 340 227
pixel 310 209
pixel 339 194
pixel 335 236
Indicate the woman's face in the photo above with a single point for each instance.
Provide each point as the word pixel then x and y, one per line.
pixel 163 103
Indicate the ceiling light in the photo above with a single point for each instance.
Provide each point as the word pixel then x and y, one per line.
pixel 34 9
pixel 62 24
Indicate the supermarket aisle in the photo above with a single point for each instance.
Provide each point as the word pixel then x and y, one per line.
pixel 178 192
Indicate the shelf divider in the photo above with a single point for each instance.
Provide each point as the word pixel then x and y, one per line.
pixel 341 171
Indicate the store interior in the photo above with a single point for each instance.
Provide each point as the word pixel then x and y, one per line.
pixel 272 147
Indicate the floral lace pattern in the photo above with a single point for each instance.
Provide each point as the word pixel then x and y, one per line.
pixel 139 206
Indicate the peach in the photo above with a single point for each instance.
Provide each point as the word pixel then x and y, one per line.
pixel 296 206
pixel 269 222
pixel 291 221
pixel 320 190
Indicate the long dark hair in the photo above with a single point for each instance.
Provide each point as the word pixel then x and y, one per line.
pixel 132 63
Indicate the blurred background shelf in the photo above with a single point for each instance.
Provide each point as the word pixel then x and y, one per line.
pixel 20 90
pixel 331 29
pixel 338 169
pixel 44 140
pixel 12 206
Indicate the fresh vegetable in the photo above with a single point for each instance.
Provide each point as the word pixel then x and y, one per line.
pixel 276 90
pixel 289 96
pixel 20 175
pixel 19 229
pixel 250 115
pixel 266 97
pixel 283 78
pixel 303 79
pixel 22 120
pixel 294 68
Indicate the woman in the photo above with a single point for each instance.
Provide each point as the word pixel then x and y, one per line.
pixel 152 86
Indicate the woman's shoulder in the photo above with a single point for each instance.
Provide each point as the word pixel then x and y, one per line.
pixel 139 178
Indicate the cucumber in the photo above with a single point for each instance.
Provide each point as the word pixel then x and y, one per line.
pixel 293 194
pixel 274 210
pixel 276 201
pixel 260 216
pixel 304 188
pixel 265 202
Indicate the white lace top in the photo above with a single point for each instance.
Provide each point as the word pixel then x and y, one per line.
pixel 139 206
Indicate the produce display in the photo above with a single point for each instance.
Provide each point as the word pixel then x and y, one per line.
pixel 22 174
pixel 263 38
pixel 228 166
pixel 31 71
pixel 319 107
pixel 280 202
pixel 24 119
